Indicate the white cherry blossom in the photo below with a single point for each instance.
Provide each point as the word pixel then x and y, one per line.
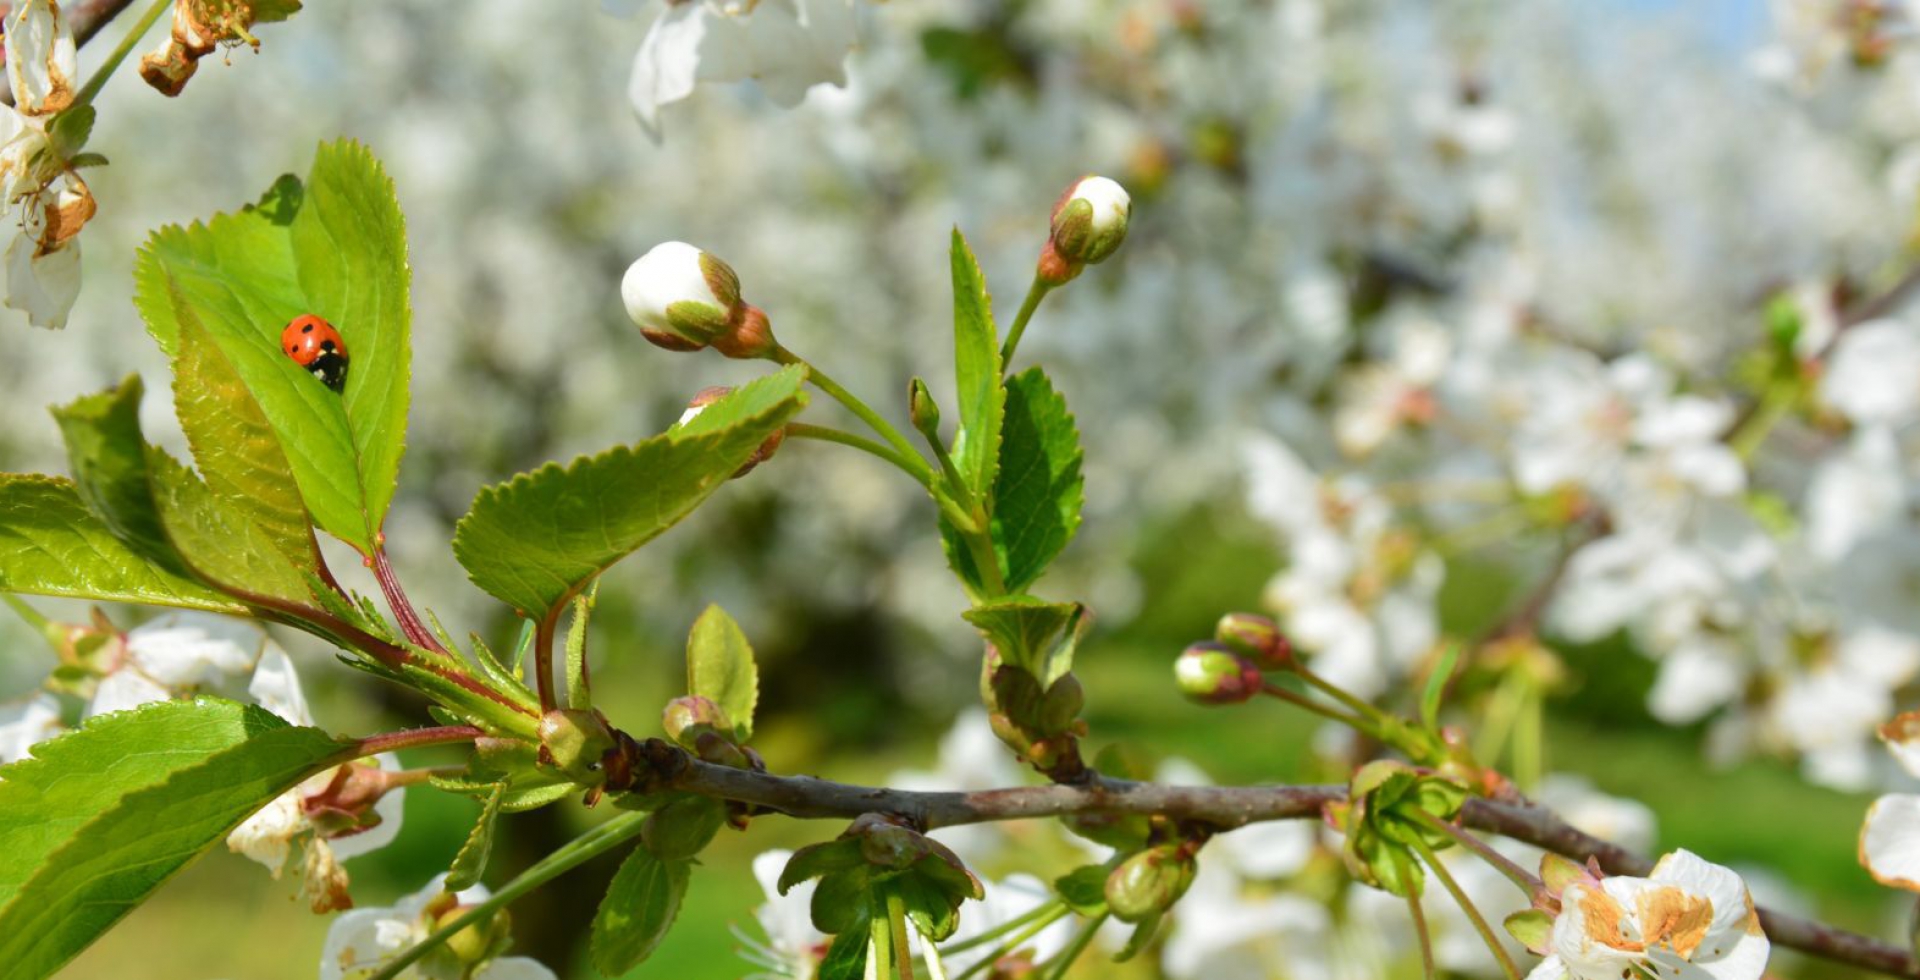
pixel 361 941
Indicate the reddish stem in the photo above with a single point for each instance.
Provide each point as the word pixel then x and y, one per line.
pixel 410 623
pixel 543 656
pixel 414 738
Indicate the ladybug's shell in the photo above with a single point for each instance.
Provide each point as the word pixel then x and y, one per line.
pixel 309 338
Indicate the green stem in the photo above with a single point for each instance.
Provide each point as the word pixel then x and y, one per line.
pixel 1035 293
pixel 882 946
pixel 1363 709
pixel 120 52
pixel 1775 405
pixel 1273 690
pixel 823 433
pixel 1518 875
pixel 1460 898
pixel 897 921
pixel 583 848
pixel 1081 941
pixel 47 629
pixel 915 463
pixel 1051 910
pixel 948 506
pixel 980 546
pixel 1419 916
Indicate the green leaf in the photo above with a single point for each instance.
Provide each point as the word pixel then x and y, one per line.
pixel 683 826
pixel 976 364
pixel 235 447
pixel 335 247
pixel 471 862
pixel 720 668
pixel 847 958
pixel 108 456
pixel 98 819
pixel 536 540
pixel 1024 629
pixel 1039 490
pixel 1084 889
pixel 51 544
pixel 935 914
pixel 817 860
pixel 218 543
pixel 70 130
pixel 640 907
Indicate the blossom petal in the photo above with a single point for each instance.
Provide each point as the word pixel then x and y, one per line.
pixel 25 724
pixel 122 690
pixel 276 687
pixel 1733 913
pixel 43 286
pixel 41 60
pixel 1890 841
pixel 514 968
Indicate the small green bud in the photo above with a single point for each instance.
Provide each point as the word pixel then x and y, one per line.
pixel 685 718
pixel 576 740
pixel 1257 637
pixel 1148 883
pixel 923 410
pixel 1210 673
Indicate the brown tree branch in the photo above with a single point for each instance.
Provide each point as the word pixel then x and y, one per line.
pixel 1225 807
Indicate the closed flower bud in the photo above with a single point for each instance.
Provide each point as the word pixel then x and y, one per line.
pixel 575 741
pixel 1257 637
pixel 1211 673
pixel 1148 883
pixel 923 410
pixel 1089 223
pixel 685 718
pixel 682 298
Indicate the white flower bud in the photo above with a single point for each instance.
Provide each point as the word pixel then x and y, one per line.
pixel 681 298
pixel 1089 223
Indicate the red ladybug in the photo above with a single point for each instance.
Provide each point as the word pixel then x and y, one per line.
pixel 315 345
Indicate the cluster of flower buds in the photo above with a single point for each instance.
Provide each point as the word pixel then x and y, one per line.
pixel 1089 223
pixel 1227 669
pixel 684 299
pixel 709 395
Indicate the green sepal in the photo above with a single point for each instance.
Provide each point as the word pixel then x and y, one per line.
pixel 471 861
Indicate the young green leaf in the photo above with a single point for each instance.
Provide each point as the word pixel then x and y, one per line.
pixel 535 541
pixel 1084 889
pixel 976 363
pixel 1024 629
pixel 219 544
pixel 471 862
pixel 1437 686
pixel 335 247
pixel 234 445
pixel 1039 490
pixel 640 907
pixel 108 456
pixel 51 544
pixel 98 819
pixel 720 668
